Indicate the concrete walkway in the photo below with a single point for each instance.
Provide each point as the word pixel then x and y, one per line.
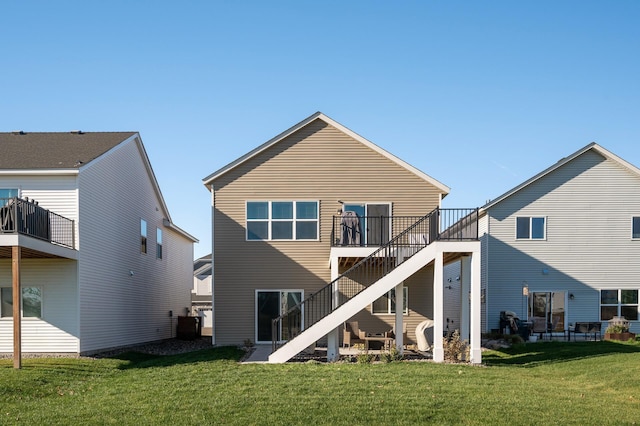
pixel 260 355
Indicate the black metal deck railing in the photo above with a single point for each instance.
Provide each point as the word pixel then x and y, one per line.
pixel 22 216
pixel 440 224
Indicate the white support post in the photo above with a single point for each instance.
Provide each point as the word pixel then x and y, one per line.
pixel 333 338
pixel 465 289
pixel 399 324
pixel 476 342
pixel 438 308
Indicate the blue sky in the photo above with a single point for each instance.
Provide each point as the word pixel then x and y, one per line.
pixel 479 95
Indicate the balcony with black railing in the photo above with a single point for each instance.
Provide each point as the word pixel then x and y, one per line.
pixel 26 217
pixel 407 236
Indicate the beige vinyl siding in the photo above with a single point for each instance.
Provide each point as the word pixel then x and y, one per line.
pixel 318 162
pixel 57 330
pixel 117 308
pixel 588 204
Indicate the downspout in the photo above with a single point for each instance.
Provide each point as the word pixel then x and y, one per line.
pixel 213 269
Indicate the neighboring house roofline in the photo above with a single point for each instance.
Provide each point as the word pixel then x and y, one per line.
pixel 179 230
pixel 318 115
pixel 590 147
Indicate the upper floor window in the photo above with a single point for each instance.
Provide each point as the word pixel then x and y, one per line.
pixel 143 236
pixel 619 302
pixel 6 193
pixel 531 228
pixel 282 220
pixel 31 302
pixel 158 243
pixel 635 227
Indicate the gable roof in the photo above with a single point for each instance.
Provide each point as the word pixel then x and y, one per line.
pixel 590 147
pixel 70 152
pixel 55 150
pixel 318 115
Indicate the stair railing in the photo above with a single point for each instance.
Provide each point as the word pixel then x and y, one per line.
pixel 439 224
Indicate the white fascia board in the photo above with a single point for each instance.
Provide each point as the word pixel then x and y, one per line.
pixel 209 179
pixel 167 223
pixel 39 172
pixel 592 146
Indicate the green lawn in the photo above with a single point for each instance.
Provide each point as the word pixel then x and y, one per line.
pixel 556 383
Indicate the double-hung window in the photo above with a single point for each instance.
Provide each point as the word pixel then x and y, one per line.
pixel 531 228
pixel 386 305
pixel 31 302
pixel 619 302
pixel 282 220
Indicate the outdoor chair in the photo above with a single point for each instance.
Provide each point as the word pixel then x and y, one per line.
pixel 352 334
pixel 538 326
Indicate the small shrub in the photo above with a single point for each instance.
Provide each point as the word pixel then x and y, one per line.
pixel 395 354
pixel 385 357
pixel 365 358
pixel 248 343
pixel 455 349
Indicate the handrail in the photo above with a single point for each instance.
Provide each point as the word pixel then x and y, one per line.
pixel 439 224
pixel 22 216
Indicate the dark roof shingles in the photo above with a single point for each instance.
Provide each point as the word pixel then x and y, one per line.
pixel 55 150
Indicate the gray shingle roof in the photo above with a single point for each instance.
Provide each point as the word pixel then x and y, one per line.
pixel 49 150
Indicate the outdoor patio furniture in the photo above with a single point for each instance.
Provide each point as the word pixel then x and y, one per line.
pixel 352 334
pixel 586 329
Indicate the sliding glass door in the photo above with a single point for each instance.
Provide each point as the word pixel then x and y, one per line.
pixel 270 304
pixel 551 306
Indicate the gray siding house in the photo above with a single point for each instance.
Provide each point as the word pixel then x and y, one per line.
pixel 565 244
pixel 87 236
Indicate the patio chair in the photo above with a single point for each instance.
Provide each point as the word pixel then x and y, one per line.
pixel 352 334
pixel 392 334
pixel 539 326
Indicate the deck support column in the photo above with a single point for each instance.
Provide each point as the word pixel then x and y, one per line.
pixel 476 337
pixel 465 292
pixel 438 308
pixel 399 324
pixel 17 292
pixel 333 338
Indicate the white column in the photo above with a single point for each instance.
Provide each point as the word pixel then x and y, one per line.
pixel 465 288
pixel 438 309
pixel 333 338
pixel 476 338
pixel 399 324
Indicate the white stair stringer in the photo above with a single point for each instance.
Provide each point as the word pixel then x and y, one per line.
pixel 354 305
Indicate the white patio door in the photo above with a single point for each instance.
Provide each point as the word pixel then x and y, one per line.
pixel 550 305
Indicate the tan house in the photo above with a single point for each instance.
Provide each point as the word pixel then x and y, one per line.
pixel 318 227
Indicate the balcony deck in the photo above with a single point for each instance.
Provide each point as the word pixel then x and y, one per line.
pixel 39 232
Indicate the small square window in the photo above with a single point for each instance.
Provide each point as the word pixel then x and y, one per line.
pixel 530 228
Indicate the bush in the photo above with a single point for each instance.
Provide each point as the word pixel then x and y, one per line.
pixel 455 349
pixel 365 358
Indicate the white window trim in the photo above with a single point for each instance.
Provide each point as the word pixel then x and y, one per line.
pixel 544 238
pixel 269 220
pixel 159 244
pixel 632 237
pixel 255 308
pixel 619 305
pixel 22 317
pixel 405 291
pixel 144 235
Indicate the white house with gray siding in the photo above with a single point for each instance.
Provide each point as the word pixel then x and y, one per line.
pixel 100 262
pixel 565 244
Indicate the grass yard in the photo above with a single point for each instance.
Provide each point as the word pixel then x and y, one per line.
pixel 549 382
